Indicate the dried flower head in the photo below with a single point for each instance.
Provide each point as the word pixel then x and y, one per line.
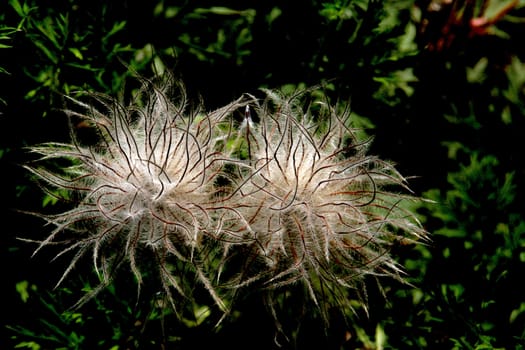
pixel 317 209
pixel 289 199
pixel 145 188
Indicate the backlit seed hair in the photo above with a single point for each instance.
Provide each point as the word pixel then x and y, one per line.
pixel 284 197
pixel 143 190
pixel 318 210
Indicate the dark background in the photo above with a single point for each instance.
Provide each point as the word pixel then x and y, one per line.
pixel 439 84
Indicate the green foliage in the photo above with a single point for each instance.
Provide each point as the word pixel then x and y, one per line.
pixel 6 36
pixel 56 328
pixel 482 236
pixel 65 53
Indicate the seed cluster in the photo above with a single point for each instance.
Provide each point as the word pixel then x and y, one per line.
pixel 279 195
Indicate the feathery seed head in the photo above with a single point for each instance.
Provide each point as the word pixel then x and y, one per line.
pixel 315 204
pixel 291 198
pixel 147 185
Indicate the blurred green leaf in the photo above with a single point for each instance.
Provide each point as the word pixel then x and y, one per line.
pixel 76 52
pixel 117 27
pixel 22 289
pixel 225 11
